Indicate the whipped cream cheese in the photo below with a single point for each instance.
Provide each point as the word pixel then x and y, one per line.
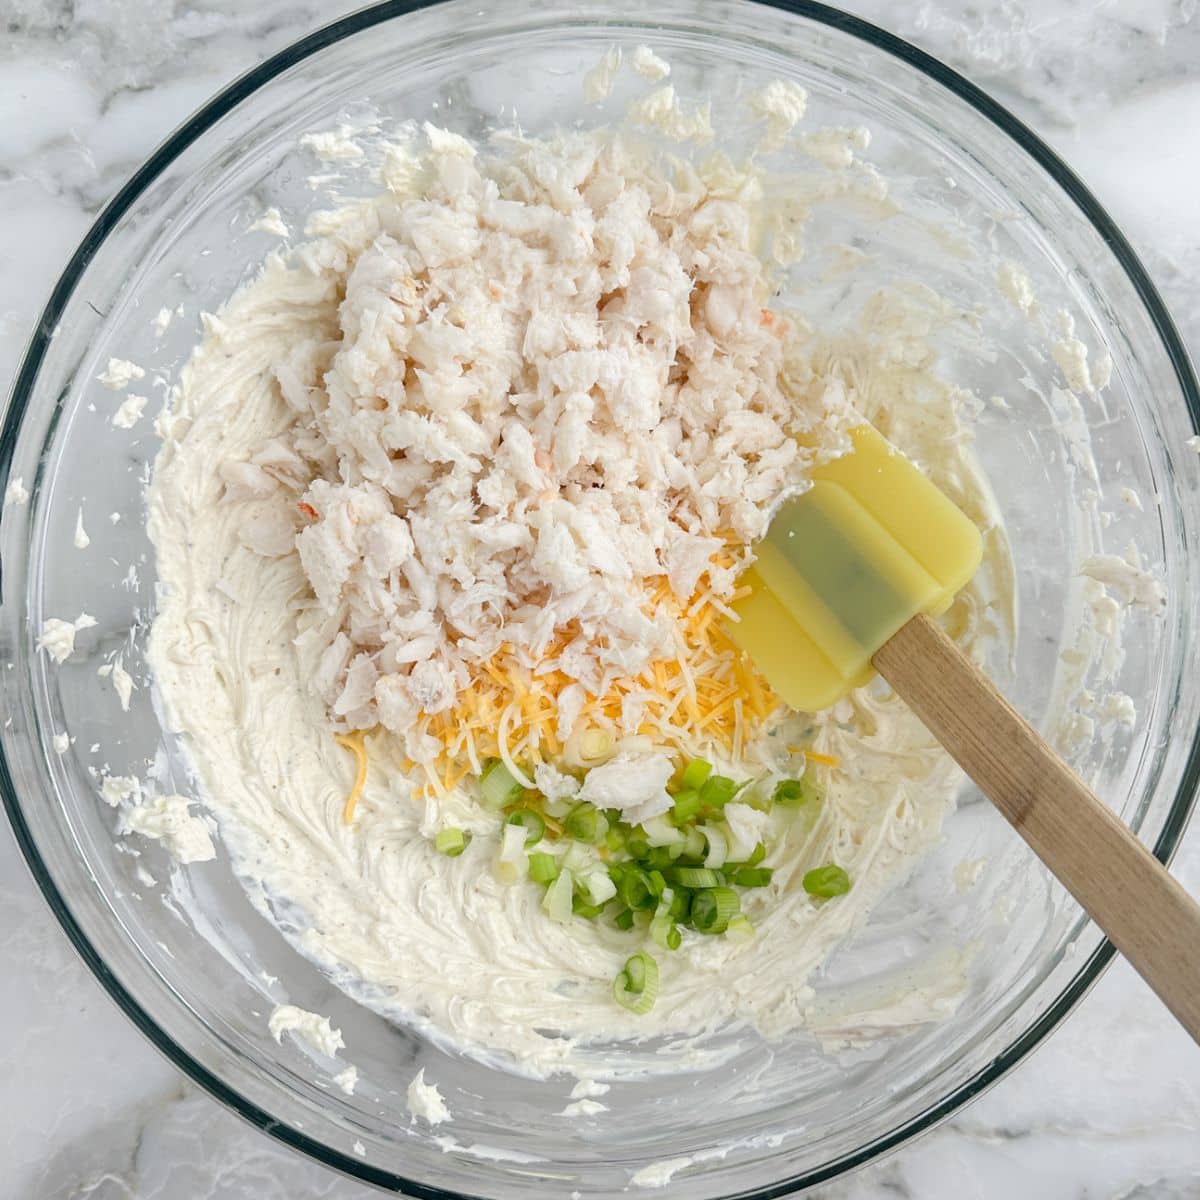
pixel 425 1100
pixel 314 1030
pixel 58 636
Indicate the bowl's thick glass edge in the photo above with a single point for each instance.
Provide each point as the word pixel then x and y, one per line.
pixel 212 112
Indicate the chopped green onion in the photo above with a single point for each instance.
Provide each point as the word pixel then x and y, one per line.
pixel 664 932
pixel 636 987
pixel 614 839
pixel 633 886
pixel 638 968
pixel 826 881
pixel 694 845
pixel 511 864
pixel 686 807
pixel 681 904
pixel 717 791
pixel 497 787
pixel 696 774
pixel 658 883
pixel 558 898
pixel 718 846
pixel 659 925
pixel 599 887
pixel 752 877
pixel 557 809
pixel 637 843
pixel 581 908
pixel 535 827
pixel 659 858
pixel 624 919
pixel 739 928
pixel 740 841
pixel 543 868
pixel 660 832
pixel 696 877
pixel 713 908
pixel 795 793
pixel 586 823
pixel 451 842
pixel 579 857
pixel 751 860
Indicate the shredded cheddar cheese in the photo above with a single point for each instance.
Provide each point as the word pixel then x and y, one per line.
pixel 707 694
pixel 356 744
pixel 828 760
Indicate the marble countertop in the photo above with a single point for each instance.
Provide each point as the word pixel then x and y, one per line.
pixel 1110 1106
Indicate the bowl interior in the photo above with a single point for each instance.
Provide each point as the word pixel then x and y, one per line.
pixel 993 946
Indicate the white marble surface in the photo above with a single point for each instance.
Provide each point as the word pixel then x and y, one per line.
pixel 1110 1107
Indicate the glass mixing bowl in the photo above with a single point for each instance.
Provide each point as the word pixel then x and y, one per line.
pixel 196 965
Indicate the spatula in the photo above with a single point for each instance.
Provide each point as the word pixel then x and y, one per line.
pixel 848 581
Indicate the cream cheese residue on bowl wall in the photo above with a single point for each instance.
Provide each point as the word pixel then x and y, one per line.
pixel 425 1100
pixel 314 1030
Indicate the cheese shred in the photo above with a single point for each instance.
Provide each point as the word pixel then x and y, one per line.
pixel 356 744
pixel 511 711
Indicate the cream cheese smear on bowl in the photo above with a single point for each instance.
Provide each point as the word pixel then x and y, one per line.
pixel 451 506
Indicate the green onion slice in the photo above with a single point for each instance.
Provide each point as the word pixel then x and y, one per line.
pixel 597 885
pixel 752 860
pixel 685 807
pixel 830 880
pixel 557 901
pixel 633 886
pixel 681 904
pixel 452 842
pixel 752 877
pixel 581 908
pixel 713 908
pixel 535 827
pixel 718 847
pixel 636 987
pixel 637 843
pixel 739 928
pixel 586 823
pixel 664 932
pixel 659 858
pixel 660 832
pixel 696 877
pixel 717 791
pixel 543 868
pixel 696 774
pixel 694 845
pixel 795 793
pixel 497 787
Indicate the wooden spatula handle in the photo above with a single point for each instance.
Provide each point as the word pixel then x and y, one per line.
pixel 1128 892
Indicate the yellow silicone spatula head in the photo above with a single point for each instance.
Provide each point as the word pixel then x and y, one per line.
pixel 844 566
pixel 850 574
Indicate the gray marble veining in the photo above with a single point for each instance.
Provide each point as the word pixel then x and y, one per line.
pixel 1110 1107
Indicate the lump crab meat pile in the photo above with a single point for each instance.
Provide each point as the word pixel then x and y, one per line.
pixel 553 382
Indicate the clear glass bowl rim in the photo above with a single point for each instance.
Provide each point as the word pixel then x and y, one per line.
pixel 192 129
